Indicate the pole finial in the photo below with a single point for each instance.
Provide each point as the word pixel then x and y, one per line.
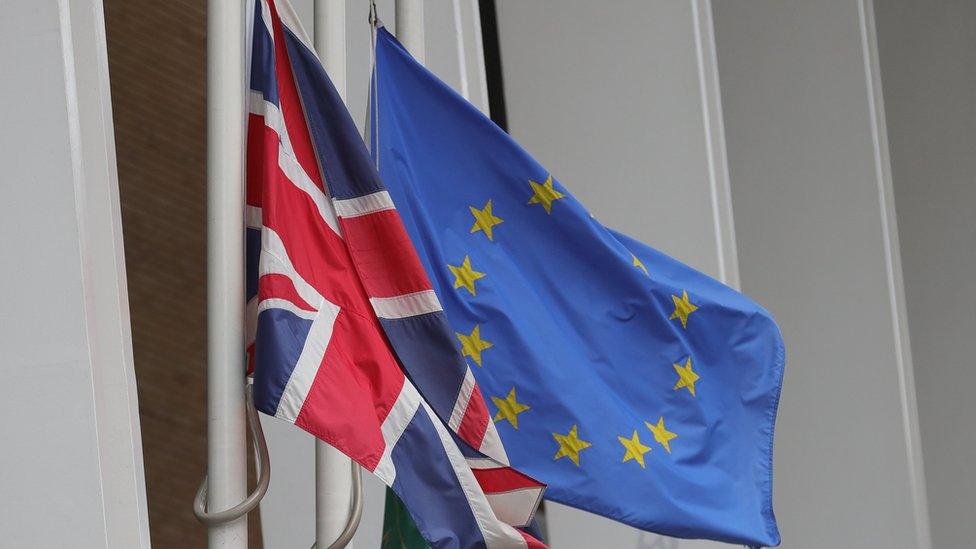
pixel 374 19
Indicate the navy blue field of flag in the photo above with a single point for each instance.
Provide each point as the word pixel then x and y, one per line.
pixel 636 387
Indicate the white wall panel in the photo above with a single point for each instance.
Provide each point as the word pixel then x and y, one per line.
pixel 71 469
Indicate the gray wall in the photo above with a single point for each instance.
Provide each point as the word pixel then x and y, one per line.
pixel 928 67
pixel 818 246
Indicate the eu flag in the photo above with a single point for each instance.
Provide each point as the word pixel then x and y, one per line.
pixel 634 386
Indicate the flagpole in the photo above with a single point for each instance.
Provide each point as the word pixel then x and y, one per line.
pixel 333 483
pixel 410 27
pixel 226 439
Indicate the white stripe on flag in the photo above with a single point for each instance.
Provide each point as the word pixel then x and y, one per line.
pixel 482 463
pixel 290 19
pixel 287 161
pixel 403 410
pixel 275 260
pixel 296 174
pixel 252 217
pixel 266 18
pixel 406 305
pixel 496 533
pixel 363 205
pixel 491 444
pixel 278 303
pixel 259 106
pixel 515 507
pixel 302 377
pixel 461 404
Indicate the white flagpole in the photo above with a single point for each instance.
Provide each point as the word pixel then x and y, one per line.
pixel 226 439
pixel 410 27
pixel 333 483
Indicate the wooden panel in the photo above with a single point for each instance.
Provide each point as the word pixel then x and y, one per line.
pixel 157 63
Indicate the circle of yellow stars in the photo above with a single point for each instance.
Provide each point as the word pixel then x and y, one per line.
pixel 569 445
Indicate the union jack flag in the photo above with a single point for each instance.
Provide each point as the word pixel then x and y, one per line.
pixel 339 305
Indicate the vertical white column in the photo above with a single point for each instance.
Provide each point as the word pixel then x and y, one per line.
pixel 330 40
pixel 333 484
pixel 226 442
pixel 480 93
pixel 459 46
pixel 410 26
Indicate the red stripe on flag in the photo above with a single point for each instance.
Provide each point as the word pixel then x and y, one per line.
pixel 387 262
pixel 503 479
pixel 291 104
pixel 280 286
pixel 354 390
pixel 262 152
pixel 474 422
pixel 531 542
pixel 318 254
pixel 249 352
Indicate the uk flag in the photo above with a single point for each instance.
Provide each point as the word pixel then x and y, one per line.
pixel 327 258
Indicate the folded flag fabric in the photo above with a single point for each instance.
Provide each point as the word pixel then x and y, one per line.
pixel 318 353
pixel 632 385
pixel 399 530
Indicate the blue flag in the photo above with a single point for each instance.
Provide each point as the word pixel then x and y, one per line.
pixel 634 386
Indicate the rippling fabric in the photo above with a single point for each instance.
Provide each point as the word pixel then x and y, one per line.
pixel 634 386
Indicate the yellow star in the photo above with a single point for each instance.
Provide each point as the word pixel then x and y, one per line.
pixel 484 220
pixel 682 308
pixel 686 377
pixel 570 445
pixel 472 345
pixel 509 408
pixel 465 275
pixel 639 264
pixel 661 433
pixel 544 194
pixel 635 450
